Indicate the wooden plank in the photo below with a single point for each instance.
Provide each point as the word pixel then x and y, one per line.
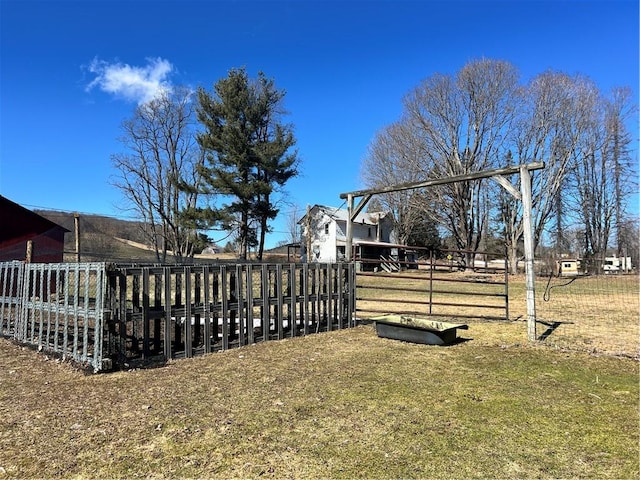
pixel 176 306
pixel 317 292
pixel 168 350
pixel 264 277
pixel 291 285
pixel 279 301
pixel 328 290
pixel 188 328
pixel 145 313
pixel 122 315
pixel 225 308
pixel 207 311
pixel 157 304
pixel 306 314
pixel 240 300
pixel 216 305
pixel 197 299
pixel 340 300
pixel 444 181
pixel 249 301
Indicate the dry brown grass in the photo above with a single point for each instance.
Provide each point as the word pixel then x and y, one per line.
pixel 594 314
pixel 344 404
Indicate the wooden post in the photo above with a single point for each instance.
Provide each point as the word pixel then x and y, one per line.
pixel 29 254
pixel 525 191
pixel 76 225
pixel 349 243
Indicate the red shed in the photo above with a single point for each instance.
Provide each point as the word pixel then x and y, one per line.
pixel 19 224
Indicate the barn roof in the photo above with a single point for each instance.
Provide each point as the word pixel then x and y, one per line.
pixel 18 221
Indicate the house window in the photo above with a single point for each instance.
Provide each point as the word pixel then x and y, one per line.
pixel 369 232
pixel 326 229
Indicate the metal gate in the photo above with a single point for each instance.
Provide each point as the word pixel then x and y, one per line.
pixel 454 284
pixel 55 307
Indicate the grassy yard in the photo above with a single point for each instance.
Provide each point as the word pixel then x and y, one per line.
pixel 593 313
pixel 344 404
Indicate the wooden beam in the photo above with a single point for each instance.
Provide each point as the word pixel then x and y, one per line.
pixel 506 184
pixel 359 207
pixel 443 181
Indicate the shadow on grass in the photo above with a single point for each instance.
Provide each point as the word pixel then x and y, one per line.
pixel 551 327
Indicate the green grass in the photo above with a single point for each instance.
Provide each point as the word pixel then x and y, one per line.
pixel 343 404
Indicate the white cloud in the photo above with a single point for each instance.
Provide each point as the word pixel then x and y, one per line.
pixel 138 84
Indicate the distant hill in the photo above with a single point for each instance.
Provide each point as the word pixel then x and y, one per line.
pixel 108 239
pixel 99 238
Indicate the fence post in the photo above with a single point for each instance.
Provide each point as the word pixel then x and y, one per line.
pixel 525 191
pixel 157 306
pixel 240 300
pixel 197 300
pixel 188 328
pixel 279 303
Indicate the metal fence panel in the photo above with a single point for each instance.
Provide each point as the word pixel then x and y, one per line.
pixel 56 307
pixel 11 275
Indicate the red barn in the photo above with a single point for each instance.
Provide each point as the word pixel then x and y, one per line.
pixel 18 225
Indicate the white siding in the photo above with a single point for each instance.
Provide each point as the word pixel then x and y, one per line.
pixel 329 229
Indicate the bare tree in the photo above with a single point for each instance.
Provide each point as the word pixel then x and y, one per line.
pixel 161 156
pixel 451 126
pixel 554 115
pixel 293 229
pixel 482 118
pixel 395 157
pixel 603 177
pixel 619 109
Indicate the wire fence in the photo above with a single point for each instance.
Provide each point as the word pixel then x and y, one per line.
pixel 594 313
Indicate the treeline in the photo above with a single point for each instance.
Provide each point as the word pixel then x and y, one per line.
pixel 483 117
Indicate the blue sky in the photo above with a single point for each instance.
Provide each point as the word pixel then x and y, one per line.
pixel 345 66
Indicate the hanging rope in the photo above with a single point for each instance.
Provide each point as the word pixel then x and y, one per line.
pixel 547 291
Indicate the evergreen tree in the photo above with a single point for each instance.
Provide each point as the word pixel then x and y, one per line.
pixel 248 153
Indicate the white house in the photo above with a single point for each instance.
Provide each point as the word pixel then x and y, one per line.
pixel 324 232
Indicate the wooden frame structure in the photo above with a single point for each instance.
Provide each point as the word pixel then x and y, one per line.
pixel 499 175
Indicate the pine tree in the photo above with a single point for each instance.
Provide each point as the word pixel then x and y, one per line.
pixel 248 153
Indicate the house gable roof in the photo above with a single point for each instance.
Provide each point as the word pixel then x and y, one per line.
pixel 342 215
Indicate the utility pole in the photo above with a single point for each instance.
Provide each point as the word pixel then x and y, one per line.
pixel 308 228
pixel 76 224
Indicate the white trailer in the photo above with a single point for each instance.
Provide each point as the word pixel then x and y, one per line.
pixel 616 264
